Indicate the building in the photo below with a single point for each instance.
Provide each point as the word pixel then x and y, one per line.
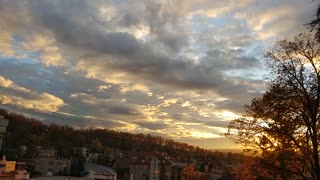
pixel 82 152
pixel 177 171
pixel 154 169
pixel 48 164
pixel 150 169
pixel 140 170
pixel 3 124
pixel 95 157
pixel 13 170
pixel 123 168
pixel 47 152
pixel 7 166
pixel 105 176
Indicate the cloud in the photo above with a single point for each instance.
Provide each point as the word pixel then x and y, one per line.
pixel 5 43
pixel 45 45
pixel 277 19
pixel 231 59
pixel 122 110
pixel 65 119
pixel 104 45
pixel 163 67
pixel 120 51
pixel 88 99
pixel 16 95
pixel 106 105
pixel 5 82
pixel 153 125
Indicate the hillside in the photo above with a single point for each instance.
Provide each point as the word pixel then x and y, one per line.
pixel 23 131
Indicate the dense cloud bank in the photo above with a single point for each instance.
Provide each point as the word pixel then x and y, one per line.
pixel 156 67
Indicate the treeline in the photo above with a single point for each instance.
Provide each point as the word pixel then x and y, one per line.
pixel 23 131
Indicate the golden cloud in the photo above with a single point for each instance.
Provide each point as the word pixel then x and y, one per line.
pixel 16 95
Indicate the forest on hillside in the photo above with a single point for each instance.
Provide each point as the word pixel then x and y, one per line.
pixel 23 131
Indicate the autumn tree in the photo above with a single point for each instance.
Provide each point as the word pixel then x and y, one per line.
pixel 189 171
pixel 284 124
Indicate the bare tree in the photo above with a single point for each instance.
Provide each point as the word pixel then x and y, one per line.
pixel 315 24
pixel 285 122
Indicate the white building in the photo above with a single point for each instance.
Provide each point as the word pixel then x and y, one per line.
pixel 48 164
pixel 151 169
pixel 154 169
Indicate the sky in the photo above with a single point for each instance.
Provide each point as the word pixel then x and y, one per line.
pixel 180 69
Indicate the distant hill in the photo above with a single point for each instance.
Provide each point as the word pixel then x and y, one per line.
pixel 23 131
pixel 228 150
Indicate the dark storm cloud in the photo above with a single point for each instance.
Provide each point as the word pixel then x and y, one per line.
pixel 161 17
pixel 53 80
pixel 94 42
pixel 77 27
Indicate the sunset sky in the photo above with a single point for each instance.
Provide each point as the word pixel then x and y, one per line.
pixel 180 69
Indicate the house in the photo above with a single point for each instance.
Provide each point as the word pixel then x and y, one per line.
pixel 96 157
pixel 48 164
pixel 12 170
pixel 105 176
pixel 47 152
pixel 152 169
pixel 140 170
pixel 177 171
pixel 82 152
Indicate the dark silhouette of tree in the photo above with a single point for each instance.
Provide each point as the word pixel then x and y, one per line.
pixel 77 167
pixel 315 24
pixel 61 153
pixel 285 122
pixel 163 170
